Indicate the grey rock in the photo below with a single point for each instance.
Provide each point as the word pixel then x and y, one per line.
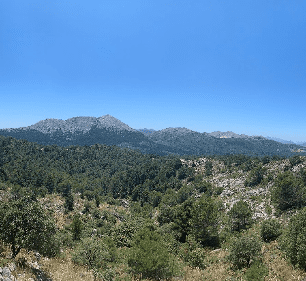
pixel 11 266
pixel 38 256
pixel 12 278
pixel 124 203
pixel 6 272
pixel 94 232
pixel 35 265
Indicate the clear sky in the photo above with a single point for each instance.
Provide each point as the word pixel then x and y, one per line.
pixel 230 65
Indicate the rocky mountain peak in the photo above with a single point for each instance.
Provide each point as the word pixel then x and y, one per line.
pixel 108 121
pixel 81 123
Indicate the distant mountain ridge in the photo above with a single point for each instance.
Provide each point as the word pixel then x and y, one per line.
pixel 83 124
pixel 228 134
pixel 286 142
pixel 111 131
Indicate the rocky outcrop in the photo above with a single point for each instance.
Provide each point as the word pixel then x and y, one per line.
pixel 6 273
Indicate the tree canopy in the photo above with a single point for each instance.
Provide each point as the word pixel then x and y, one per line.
pixel 25 224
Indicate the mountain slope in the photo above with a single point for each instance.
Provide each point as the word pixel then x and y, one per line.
pixel 83 124
pixel 111 131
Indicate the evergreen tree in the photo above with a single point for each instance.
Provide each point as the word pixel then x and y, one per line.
pixel 289 191
pixel 294 240
pixel 240 216
pixel 149 256
pixel 77 227
pixel 204 221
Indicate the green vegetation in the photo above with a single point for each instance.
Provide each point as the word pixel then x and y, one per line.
pixel 192 253
pixel 24 224
pixel 256 272
pixel 119 214
pixel 244 250
pixel 76 227
pixel 240 216
pixel 148 256
pixel 95 254
pixel 289 191
pixel 294 240
pixel 256 176
pixel 270 230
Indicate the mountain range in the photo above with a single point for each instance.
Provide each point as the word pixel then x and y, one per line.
pixel 286 141
pixel 111 131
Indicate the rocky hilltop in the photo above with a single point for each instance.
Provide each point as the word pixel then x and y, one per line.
pixel 83 124
pixel 230 134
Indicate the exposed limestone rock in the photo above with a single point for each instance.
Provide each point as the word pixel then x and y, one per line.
pixel 6 275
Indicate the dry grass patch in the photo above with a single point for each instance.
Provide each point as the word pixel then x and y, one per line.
pixel 279 268
pixel 218 268
pixel 55 269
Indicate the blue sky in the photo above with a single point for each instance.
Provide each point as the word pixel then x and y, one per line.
pixel 206 65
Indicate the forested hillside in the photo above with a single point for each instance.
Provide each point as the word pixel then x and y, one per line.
pixel 108 213
pixel 108 130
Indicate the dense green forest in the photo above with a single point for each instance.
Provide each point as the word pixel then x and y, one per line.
pixel 119 214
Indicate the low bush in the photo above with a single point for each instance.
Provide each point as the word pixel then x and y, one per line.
pixel 257 272
pixel 95 254
pixel 270 230
pixel 244 250
pixel 293 241
pixel 192 253
pixel 148 256
pixel 256 176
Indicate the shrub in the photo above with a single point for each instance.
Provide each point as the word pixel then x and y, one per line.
pixel 76 227
pixel 25 224
pixel 90 195
pixel 148 256
pixel 289 191
pixel 256 272
pixel 204 186
pixel 218 190
pixel 294 240
pixel 244 250
pixel 124 232
pixel 106 274
pixel 270 230
pixel 192 253
pixel 87 207
pixel 240 216
pixel 184 193
pixel 208 168
pixel 65 238
pixel 295 160
pixel 255 177
pixel 95 254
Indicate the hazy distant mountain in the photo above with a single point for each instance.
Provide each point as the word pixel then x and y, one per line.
pixel 146 131
pixel 227 134
pixel 286 142
pixel 111 131
pixel 280 140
